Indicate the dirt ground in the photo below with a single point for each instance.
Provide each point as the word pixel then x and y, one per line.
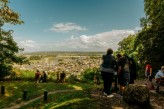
pixel 116 102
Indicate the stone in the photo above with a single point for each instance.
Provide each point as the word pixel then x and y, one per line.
pixel 136 94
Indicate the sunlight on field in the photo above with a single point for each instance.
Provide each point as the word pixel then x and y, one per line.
pixel 68 102
pixel 76 87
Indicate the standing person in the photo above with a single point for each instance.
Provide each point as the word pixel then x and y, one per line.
pixel 62 77
pixel 107 71
pixel 148 74
pixel 123 72
pixel 44 76
pixel 37 76
pixel 133 72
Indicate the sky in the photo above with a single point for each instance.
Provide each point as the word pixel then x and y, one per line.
pixel 75 25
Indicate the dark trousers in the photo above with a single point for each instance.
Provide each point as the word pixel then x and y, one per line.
pixel 107 79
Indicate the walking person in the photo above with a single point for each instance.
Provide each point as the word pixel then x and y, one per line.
pixel 107 71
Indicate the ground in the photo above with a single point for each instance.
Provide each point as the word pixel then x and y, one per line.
pixel 116 102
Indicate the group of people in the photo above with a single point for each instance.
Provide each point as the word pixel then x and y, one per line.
pixel 40 77
pixel 159 76
pixel 124 67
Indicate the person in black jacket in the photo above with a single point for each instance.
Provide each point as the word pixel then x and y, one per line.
pixel 108 68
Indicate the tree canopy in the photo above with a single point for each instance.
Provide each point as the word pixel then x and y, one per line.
pixel 148 43
pixel 8 47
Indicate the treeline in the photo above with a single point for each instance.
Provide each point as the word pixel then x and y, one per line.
pixel 148 44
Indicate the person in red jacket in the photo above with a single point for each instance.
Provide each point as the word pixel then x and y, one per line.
pixel 148 74
pixel 37 76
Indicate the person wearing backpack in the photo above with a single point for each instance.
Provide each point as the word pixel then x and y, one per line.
pixel 123 71
pixel 107 69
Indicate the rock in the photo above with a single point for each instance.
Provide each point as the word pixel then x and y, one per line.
pixel 136 94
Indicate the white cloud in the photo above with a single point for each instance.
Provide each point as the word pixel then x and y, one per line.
pixel 96 42
pixel 29 45
pixel 67 27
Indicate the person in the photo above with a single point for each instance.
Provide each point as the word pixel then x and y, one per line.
pixel 62 77
pixel 148 74
pixel 159 78
pixel 44 76
pixel 37 76
pixel 41 78
pixel 133 73
pixel 123 72
pixel 107 69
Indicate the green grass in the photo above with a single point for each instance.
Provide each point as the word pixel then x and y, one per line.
pixel 67 100
pixel 14 92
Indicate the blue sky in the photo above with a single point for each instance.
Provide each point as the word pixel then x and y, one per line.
pixel 75 25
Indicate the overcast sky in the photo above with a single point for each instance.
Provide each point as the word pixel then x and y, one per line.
pixel 75 25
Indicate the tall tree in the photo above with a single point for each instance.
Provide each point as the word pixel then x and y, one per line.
pixel 151 36
pixel 8 47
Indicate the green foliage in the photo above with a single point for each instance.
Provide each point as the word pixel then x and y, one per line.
pixel 8 47
pixel 150 39
pixel 147 45
pixel 72 79
pixel 88 74
pixel 126 46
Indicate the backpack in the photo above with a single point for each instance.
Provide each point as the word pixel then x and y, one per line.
pixel 125 64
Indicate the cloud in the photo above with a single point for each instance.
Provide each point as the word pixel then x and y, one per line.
pixel 67 27
pixel 29 45
pixel 96 42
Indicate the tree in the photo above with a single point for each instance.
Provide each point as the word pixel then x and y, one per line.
pixel 151 36
pixel 126 46
pixel 8 47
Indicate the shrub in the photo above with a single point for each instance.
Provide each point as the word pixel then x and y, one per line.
pixel 88 74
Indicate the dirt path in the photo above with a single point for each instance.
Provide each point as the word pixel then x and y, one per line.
pixel 16 106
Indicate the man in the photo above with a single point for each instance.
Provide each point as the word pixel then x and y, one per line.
pixel 159 77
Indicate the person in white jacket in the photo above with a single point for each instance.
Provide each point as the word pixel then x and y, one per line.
pixel 159 77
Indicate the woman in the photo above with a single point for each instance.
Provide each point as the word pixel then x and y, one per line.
pixel 107 71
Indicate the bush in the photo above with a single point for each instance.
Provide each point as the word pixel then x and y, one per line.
pixel 88 74
pixel 72 79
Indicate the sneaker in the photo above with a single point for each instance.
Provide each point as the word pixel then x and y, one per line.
pixel 105 94
pixel 110 96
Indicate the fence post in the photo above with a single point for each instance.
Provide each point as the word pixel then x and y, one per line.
pixel 24 94
pixel 45 95
pixel 3 90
